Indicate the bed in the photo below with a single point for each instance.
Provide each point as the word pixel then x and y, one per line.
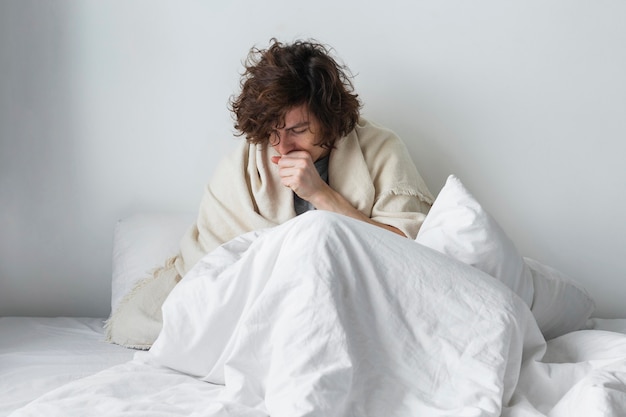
pixel 454 323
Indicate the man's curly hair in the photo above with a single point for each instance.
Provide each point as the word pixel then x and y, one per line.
pixel 283 76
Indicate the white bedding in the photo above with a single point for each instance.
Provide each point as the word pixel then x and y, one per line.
pixel 323 315
pixel 581 374
pixel 327 316
pixel 574 387
pixel 39 354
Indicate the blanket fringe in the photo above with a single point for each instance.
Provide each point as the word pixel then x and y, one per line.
pixel 117 316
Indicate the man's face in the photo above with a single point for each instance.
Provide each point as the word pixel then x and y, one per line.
pixel 298 134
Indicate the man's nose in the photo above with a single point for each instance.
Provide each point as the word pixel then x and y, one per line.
pixel 286 144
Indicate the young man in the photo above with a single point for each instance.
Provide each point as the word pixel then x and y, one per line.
pixel 306 148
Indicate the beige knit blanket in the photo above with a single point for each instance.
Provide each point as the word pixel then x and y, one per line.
pixel 370 167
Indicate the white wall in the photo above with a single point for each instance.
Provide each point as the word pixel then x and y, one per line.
pixel 109 108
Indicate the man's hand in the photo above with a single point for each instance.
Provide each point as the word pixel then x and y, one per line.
pixel 297 171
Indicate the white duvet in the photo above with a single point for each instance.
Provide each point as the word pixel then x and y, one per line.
pixel 328 316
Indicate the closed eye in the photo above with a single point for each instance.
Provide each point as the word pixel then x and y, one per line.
pixel 299 128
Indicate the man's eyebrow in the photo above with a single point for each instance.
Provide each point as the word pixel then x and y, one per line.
pixel 297 125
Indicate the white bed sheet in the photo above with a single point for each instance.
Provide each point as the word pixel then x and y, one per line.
pixel 133 389
pixel 359 322
pixel 579 374
pixel 38 354
pixel 571 381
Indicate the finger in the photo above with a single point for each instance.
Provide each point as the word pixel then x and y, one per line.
pixel 296 157
pixel 295 162
pixel 289 172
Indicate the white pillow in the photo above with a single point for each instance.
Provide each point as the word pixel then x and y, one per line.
pixel 141 243
pixel 458 226
pixel 560 304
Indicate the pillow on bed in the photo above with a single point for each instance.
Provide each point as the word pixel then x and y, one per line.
pixel 458 226
pixel 560 304
pixel 140 244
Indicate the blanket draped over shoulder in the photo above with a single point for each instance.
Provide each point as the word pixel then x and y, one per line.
pixel 370 167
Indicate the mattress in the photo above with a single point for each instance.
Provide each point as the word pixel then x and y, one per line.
pixel 39 354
